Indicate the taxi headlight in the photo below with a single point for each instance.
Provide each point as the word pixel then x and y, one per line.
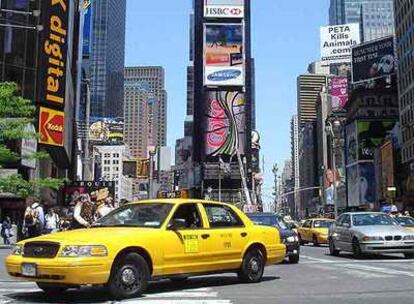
pixel 17 250
pixel 372 238
pixel 84 251
pixel 409 238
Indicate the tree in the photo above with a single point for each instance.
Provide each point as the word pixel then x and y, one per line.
pixel 15 114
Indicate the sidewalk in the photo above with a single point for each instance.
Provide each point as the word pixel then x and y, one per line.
pixel 6 246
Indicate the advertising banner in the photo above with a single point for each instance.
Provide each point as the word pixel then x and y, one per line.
pixel 224 124
pixel 53 50
pixel 107 130
pixel 51 127
pixel 87 28
pixel 224 8
pixel 338 90
pixel 337 42
pixel 371 135
pixel 387 167
pixel 96 191
pixel 351 143
pixel 361 184
pixel 373 60
pixel 29 147
pixel 223 55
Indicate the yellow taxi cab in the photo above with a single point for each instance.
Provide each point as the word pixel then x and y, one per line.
pixel 315 231
pixel 146 241
pixel 406 221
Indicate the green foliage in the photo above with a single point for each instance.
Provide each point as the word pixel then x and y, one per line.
pixel 16 113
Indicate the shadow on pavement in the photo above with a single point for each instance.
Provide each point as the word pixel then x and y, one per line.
pixel 350 256
pixel 95 294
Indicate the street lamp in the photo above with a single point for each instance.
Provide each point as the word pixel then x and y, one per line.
pixel 330 130
pixel 152 153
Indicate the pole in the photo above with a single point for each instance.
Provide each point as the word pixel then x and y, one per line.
pixel 220 182
pixel 335 176
pixel 243 177
pixel 150 175
pixel 254 190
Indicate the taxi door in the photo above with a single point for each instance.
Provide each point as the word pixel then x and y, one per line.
pixel 305 231
pixel 184 241
pixel 227 237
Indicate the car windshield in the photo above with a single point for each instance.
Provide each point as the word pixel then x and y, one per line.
pixel 151 215
pixel 372 219
pixel 405 221
pixel 269 220
pixel 322 224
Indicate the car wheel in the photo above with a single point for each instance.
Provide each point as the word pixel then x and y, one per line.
pixel 356 249
pixel 294 259
pixel 315 241
pixel 409 255
pixel 252 268
pixel 332 250
pixel 301 241
pixel 129 277
pixel 51 289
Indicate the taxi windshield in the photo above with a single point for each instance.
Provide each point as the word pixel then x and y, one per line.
pixel 372 219
pixel 322 224
pixel 151 215
pixel 405 221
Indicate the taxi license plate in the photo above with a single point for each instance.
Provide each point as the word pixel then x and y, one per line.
pixel 29 270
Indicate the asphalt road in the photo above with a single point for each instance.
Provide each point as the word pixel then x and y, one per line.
pixel 318 278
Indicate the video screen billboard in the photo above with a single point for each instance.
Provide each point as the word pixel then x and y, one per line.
pixel 373 60
pixel 97 191
pixel 361 184
pixel 371 135
pixel 337 42
pixel 338 90
pixel 107 130
pixel 224 123
pixel 223 54
pixel 87 28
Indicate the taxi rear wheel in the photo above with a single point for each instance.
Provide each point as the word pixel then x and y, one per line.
pixel 252 268
pixel 51 289
pixel 129 276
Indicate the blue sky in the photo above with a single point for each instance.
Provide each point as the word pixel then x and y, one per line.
pixel 285 38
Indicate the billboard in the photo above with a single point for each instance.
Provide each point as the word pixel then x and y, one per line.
pixel 29 147
pixel 224 8
pixel 373 60
pixel 224 123
pixel 338 91
pixel 387 167
pixel 87 28
pixel 371 135
pixel 107 130
pixel 351 143
pixel 53 52
pixel 223 54
pixel 361 184
pixel 51 127
pixel 97 191
pixel 136 168
pixel 337 42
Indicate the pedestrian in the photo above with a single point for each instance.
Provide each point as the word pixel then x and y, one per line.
pixel 6 231
pixel 33 221
pixel 51 221
pixel 84 212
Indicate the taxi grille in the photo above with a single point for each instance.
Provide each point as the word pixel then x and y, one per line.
pixel 45 250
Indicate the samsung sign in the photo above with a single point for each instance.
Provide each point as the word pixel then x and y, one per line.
pixel 223 11
pixel 224 75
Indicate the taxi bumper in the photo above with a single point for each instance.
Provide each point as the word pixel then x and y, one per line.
pixel 72 271
pixel 323 239
pixel 276 254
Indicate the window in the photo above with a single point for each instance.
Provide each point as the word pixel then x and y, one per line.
pixel 347 220
pixel 222 216
pixel 307 224
pixel 190 214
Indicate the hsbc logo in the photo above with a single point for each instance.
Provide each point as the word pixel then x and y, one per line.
pixel 221 11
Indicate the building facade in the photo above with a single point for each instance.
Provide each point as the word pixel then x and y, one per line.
pixel 145 106
pixel 375 16
pixel 107 58
pixel 294 144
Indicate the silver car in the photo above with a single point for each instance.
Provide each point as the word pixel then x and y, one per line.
pixel 369 232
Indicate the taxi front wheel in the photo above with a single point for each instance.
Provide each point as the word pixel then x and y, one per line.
pixel 252 268
pixel 129 276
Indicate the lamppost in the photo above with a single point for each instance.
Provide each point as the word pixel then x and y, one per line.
pixel 330 130
pixel 275 169
pixel 151 173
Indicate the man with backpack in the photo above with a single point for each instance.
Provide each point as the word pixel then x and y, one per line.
pixel 33 221
pixel 51 221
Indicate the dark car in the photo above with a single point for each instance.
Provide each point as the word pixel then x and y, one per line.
pixel 289 237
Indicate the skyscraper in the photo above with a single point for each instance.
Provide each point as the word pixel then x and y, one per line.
pixel 145 106
pixel 375 16
pixel 404 15
pixel 294 143
pixel 107 57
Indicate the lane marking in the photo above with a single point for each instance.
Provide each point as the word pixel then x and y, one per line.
pixel 337 261
pixel 193 301
pixel 378 269
pixel 182 294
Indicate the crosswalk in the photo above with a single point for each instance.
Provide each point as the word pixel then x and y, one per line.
pixel 26 292
pixel 363 269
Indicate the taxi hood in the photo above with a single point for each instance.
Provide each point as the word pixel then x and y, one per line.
pixel 95 235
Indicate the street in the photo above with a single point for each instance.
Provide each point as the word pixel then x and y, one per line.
pixel 318 278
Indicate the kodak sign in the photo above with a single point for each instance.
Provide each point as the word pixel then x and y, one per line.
pixel 51 127
pixel 53 52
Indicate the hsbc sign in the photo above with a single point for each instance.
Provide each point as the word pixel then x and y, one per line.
pixel 223 11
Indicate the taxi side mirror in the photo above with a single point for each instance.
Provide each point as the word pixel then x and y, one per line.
pixel 177 223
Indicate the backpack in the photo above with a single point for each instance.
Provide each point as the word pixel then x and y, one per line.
pixel 31 216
